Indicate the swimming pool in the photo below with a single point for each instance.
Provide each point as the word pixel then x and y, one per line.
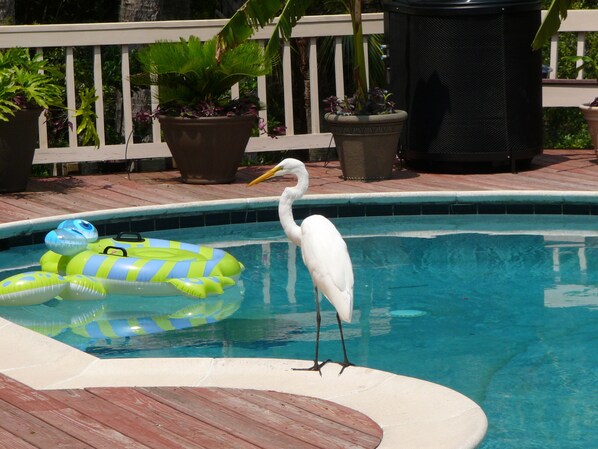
pixel 501 309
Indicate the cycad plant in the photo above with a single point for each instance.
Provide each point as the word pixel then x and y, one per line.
pixel 192 82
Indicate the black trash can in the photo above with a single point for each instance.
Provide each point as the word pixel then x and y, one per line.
pixel 467 76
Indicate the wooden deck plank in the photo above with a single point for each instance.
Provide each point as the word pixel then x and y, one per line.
pixel 11 441
pixel 35 431
pixel 136 402
pixel 42 414
pixel 303 425
pixel 249 428
pixel 324 409
pixel 133 426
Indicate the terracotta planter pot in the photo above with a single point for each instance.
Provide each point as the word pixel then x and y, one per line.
pixel 18 140
pixel 207 150
pixel 367 144
pixel 590 113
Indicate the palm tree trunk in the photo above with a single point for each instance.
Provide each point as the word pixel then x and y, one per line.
pixel 139 10
pixel 7 12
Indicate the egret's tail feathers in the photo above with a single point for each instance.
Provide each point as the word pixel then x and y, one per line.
pixel 344 307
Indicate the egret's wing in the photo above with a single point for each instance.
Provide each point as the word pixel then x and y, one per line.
pixel 325 254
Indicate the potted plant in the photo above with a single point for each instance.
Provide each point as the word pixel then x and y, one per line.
pixel 590 109
pixel 205 130
pixel 366 134
pixel 556 13
pixel 354 120
pixel 28 85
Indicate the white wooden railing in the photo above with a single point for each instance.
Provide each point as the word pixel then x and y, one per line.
pixel 563 93
pixel 124 35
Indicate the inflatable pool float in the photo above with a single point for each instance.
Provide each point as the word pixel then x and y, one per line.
pixel 78 266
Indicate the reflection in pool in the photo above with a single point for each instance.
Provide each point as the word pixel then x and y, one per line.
pixel 508 319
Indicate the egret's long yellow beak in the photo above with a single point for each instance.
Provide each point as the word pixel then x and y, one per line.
pixel 269 174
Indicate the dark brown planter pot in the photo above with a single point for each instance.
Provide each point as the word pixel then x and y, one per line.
pixel 590 113
pixel 366 144
pixel 18 140
pixel 207 150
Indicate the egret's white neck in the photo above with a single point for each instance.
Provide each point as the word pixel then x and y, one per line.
pixel 285 209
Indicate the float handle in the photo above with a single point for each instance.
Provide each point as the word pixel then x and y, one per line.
pixel 129 237
pixel 124 251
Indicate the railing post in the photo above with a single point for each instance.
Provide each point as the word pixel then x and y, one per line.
pixel 314 86
pixel 126 86
pixel 71 97
pixel 262 95
pixel 98 84
pixel 339 76
pixel 287 79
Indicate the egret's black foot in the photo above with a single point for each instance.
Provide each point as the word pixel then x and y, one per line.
pixel 344 365
pixel 315 367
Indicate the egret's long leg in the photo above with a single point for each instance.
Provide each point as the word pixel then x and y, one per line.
pixel 316 366
pixel 345 362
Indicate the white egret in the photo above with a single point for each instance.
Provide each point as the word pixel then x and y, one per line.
pixel 323 249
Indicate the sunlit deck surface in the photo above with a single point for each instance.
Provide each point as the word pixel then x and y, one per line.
pixel 176 417
pixel 555 170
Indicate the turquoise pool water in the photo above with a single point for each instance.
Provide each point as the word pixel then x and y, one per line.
pixel 503 309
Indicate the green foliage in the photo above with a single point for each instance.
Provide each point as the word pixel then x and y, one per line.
pixel 87 117
pixel 557 12
pixel 254 14
pixel 23 85
pixel 565 128
pixel 187 72
pixel 291 13
pixel 588 64
pixel 28 81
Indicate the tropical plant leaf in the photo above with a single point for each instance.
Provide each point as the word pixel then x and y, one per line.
pixel 292 12
pixel 87 117
pixel 557 12
pixel 254 14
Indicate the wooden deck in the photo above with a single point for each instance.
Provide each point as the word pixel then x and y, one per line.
pixel 555 170
pixel 176 417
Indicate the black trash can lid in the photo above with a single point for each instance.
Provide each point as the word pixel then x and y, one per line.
pixel 443 7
